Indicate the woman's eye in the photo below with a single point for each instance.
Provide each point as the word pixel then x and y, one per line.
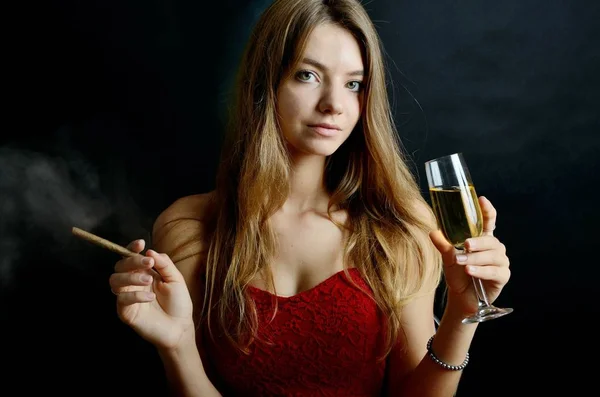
pixel 355 85
pixel 304 75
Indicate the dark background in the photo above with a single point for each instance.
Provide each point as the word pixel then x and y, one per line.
pixel 115 109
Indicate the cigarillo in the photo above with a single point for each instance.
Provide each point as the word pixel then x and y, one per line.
pixel 92 238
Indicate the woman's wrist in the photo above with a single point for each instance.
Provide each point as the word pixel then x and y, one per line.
pixel 453 338
pixel 456 309
pixel 185 370
pixel 186 344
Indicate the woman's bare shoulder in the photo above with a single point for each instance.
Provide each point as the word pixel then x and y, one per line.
pixel 182 231
pixel 193 208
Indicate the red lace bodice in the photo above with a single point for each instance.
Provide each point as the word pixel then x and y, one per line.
pixel 325 342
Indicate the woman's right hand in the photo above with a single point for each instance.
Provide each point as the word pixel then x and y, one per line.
pixel 158 307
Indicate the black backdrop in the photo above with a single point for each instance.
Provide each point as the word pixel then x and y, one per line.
pixel 115 109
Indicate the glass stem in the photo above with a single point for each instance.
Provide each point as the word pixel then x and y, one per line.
pixel 482 299
pixel 481 295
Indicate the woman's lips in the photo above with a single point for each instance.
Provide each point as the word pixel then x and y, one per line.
pixel 324 131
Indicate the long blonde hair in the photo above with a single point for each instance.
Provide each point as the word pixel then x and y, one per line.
pixel 368 177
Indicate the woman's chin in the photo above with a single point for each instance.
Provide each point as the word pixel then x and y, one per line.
pixel 320 149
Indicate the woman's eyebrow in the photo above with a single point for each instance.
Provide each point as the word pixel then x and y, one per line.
pixel 321 66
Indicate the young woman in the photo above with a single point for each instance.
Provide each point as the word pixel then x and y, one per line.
pixel 311 269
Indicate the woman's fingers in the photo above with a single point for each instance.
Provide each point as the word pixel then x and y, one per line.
pixel 486 265
pixel 165 267
pixel 443 246
pixel 484 243
pixel 134 263
pixel 136 246
pixel 489 216
pixel 498 274
pixel 129 298
pixel 120 280
pixel 483 258
pixel 132 273
pixel 136 273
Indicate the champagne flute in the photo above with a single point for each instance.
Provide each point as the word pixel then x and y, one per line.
pixel 457 210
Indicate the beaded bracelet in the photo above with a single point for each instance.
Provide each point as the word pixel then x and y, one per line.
pixel 443 364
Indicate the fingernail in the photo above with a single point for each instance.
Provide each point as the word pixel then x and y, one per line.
pixel 146 278
pixel 461 258
pixel 472 269
pixel 470 243
pixel 147 261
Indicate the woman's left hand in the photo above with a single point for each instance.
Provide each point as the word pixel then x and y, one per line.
pixel 485 259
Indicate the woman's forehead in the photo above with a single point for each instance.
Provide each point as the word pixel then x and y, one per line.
pixel 333 48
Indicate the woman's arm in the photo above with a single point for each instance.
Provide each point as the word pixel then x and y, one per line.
pixel 185 372
pixel 179 231
pixel 411 372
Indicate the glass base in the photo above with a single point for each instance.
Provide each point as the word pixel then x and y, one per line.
pixel 487 313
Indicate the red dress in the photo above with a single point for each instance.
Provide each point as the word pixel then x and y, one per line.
pixel 326 342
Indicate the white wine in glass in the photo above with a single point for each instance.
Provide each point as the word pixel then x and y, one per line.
pixel 457 210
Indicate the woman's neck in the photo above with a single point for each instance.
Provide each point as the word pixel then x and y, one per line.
pixel 307 185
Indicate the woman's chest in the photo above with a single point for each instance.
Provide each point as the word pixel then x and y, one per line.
pixel 308 251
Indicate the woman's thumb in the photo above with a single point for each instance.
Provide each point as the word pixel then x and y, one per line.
pixel 442 245
pixel 165 267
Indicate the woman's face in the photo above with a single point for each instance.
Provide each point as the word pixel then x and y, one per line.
pixel 319 104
